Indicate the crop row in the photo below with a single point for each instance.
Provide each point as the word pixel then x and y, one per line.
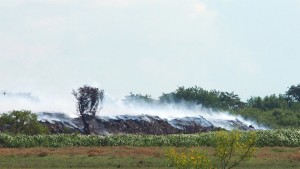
pixel 288 138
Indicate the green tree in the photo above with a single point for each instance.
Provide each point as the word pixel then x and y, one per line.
pixel 255 102
pixel 269 102
pixel 294 93
pixel 228 101
pixel 168 98
pixel 22 122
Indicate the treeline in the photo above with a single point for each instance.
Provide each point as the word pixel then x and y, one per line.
pixel 209 99
pixel 274 111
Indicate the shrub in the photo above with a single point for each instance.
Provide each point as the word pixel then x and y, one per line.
pixel 188 159
pixel 21 122
pixel 231 148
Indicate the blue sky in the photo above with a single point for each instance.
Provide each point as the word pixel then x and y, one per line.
pixel 50 47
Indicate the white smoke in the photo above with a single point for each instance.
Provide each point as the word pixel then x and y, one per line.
pixel 170 111
pixel 112 108
pixel 10 101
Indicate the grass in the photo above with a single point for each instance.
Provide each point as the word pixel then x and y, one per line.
pixel 81 161
pixel 129 157
pixel 274 158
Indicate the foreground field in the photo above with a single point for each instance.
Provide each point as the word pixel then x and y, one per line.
pixel 129 157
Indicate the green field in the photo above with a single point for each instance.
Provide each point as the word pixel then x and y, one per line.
pixel 129 157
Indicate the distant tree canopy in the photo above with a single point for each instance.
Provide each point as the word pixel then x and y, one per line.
pixel 209 99
pixel 294 93
pixel 268 102
pixel 277 111
pixel 21 122
pixel 88 100
pixel 138 98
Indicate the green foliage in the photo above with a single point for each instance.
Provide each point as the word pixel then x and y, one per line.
pixel 168 98
pixel 275 118
pixel 269 102
pixel 274 111
pixel 234 147
pixel 229 101
pixel 209 99
pixel 288 138
pixel 139 98
pixel 231 148
pixel 188 159
pixel 294 93
pixel 21 122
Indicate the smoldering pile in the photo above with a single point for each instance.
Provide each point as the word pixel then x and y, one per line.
pixel 134 124
pixel 119 117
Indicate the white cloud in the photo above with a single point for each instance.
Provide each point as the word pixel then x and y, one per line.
pixel 121 2
pixel 48 22
pixel 201 9
pixel 113 2
pixel 15 3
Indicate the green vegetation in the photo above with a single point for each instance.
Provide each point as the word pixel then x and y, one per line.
pixel 288 138
pixel 273 111
pixel 21 122
pixel 138 97
pixel 187 158
pixel 226 149
pixel 234 147
pixel 81 161
pixel 132 157
pixel 231 148
pixel 210 99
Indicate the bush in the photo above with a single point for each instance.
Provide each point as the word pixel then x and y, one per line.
pixel 231 148
pixel 21 122
pixel 188 159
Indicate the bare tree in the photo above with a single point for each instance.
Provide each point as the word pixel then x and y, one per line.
pixel 88 100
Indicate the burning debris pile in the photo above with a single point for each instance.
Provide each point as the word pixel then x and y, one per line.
pixel 135 114
pixel 138 124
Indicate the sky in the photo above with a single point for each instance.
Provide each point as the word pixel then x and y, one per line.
pixel 49 47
